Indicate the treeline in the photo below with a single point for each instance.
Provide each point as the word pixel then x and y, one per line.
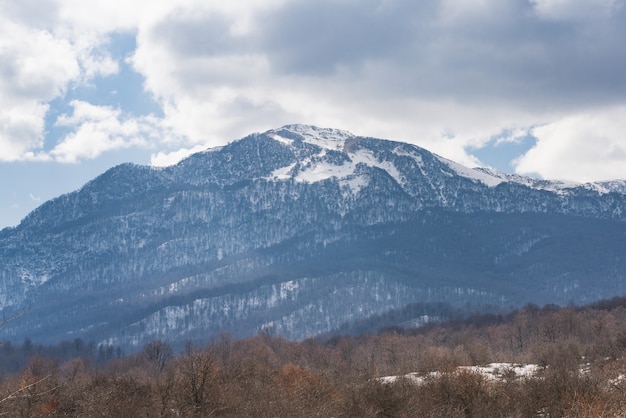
pixel 414 316
pixel 580 352
pixel 15 357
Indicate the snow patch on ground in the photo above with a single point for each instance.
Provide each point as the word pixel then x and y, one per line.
pixel 280 139
pixel 324 171
pixel 32 279
pixel 402 152
pixel 492 372
pixel 355 183
pixel 283 173
pixel 369 159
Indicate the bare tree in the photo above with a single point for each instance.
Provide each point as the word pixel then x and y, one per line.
pixel 196 374
pixel 158 352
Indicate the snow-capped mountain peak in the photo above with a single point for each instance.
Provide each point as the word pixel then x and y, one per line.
pixel 488 177
pixel 492 178
pixel 314 165
pixel 301 229
pixel 326 138
pixel 337 157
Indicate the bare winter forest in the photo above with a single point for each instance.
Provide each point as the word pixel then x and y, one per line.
pixel 579 355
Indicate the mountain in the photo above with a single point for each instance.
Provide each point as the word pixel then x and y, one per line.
pixel 300 231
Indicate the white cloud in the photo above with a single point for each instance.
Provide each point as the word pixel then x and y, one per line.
pixel 98 129
pixel 513 136
pixel 584 147
pixel 93 56
pixel 447 75
pixel 164 159
pixel 37 65
pixel 398 70
pixel 576 9
pixel 35 68
pixel 21 129
pixel 402 70
pixel 105 16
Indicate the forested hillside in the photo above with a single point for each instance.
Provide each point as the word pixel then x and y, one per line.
pixel 301 231
pixel 578 354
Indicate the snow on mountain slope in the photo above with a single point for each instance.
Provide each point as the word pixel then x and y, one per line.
pixel 333 139
pixel 486 177
pixel 549 185
pixel 614 186
pixel 318 169
pixel 218 240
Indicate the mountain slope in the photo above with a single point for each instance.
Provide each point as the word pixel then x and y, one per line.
pixel 301 229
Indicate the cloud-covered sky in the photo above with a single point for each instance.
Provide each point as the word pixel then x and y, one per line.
pixel 536 87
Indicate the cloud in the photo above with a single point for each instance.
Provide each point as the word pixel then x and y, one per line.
pixel 396 69
pixel 35 68
pixel 98 129
pixel 164 159
pixel 402 69
pixel 38 64
pixel 93 56
pixel 576 9
pixel 583 147
pixel 512 136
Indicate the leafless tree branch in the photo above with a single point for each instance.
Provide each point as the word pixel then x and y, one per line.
pixel 17 393
pixel 6 320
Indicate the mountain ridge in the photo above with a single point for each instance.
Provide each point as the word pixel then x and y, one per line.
pixel 483 175
pixel 280 229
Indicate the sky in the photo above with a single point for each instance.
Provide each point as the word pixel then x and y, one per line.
pixel 533 87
